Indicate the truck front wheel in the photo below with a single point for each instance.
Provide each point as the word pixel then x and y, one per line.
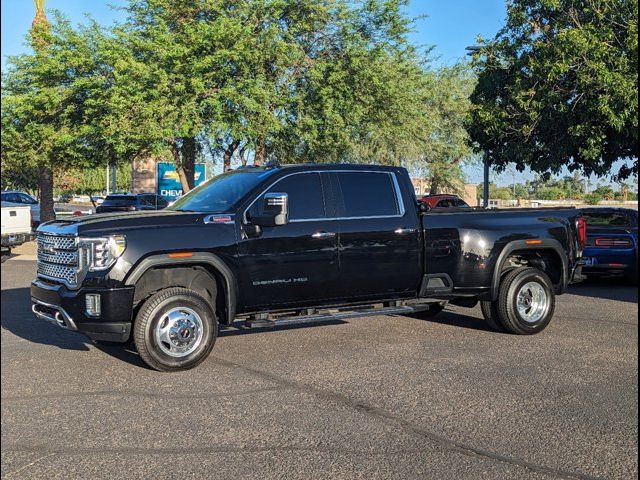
pixel 526 301
pixel 175 330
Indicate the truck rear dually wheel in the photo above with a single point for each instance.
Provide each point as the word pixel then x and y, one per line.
pixel 175 330
pixel 492 316
pixel 526 301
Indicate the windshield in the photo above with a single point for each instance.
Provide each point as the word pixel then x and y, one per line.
pixel 221 193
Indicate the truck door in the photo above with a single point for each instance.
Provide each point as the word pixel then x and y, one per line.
pixel 297 263
pixel 380 242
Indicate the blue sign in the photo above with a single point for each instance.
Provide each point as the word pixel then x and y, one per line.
pixel 168 181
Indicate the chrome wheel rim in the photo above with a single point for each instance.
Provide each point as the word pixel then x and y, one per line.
pixel 179 332
pixel 533 302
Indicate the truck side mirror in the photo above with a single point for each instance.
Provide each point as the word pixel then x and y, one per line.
pixel 424 208
pixel 275 211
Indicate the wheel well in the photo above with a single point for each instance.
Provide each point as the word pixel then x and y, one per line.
pixel 200 278
pixel 547 260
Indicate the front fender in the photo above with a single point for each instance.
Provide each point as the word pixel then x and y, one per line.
pixel 201 258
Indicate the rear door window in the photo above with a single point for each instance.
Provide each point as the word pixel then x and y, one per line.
pixel 26 199
pixel 367 194
pixel 147 200
pixel 448 203
pixel 10 197
pixel 120 200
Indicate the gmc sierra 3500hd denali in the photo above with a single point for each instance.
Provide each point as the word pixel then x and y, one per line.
pixel 292 244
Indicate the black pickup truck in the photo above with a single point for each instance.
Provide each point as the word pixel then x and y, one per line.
pixel 293 244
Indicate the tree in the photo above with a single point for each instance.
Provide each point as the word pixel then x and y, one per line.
pixel 446 143
pixel 38 105
pixel 558 87
pixel 495 192
pixel 40 30
pixel 56 109
pixel 605 192
pixel 593 198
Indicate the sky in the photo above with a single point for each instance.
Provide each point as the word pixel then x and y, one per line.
pixel 448 25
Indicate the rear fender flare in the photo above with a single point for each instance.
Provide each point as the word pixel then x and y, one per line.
pixel 520 245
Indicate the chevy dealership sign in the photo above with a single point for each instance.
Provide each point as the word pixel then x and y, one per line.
pixel 168 184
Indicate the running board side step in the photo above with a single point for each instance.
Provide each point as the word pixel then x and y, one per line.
pixel 329 317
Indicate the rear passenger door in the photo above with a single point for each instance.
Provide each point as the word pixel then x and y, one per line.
pixel 379 236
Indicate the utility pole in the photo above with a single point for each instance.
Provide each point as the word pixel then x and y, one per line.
pixel 114 182
pixel 487 171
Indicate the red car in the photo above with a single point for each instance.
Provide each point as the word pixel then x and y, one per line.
pixel 444 201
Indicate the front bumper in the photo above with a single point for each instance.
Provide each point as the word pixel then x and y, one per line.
pixel 67 309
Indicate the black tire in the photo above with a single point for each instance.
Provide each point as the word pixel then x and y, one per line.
pixel 434 309
pixel 510 317
pixel 492 316
pixel 155 310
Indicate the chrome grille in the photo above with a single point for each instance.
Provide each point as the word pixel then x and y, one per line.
pixel 58 258
pixel 58 272
pixel 59 242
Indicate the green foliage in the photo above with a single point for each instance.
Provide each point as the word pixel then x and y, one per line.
pixel 606 192
pixel 592 199
pixel 495 192
pixel 55 107
pixel 443 140
pixel 92 180
pixel 558 87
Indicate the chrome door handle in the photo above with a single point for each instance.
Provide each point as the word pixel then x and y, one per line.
pixel 323 235
pixel 405 231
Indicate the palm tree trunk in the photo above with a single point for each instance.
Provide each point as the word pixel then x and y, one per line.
pixel 45 188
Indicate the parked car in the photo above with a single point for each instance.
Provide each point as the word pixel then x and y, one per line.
pixel 126 202
pixel 297 244
pixel 612 244
pixel 82 199
pixel 444 201
pixel 16 198
pixel 15 228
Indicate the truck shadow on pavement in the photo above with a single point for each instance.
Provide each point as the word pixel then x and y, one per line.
pixel 606 288
pixel 459 320
pixel 18 319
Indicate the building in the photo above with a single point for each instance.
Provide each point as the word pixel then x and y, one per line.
pixel 143 179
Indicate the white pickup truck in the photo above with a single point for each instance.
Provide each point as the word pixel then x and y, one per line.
pixel 15 228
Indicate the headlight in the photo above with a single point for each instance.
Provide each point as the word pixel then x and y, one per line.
pixel 101 253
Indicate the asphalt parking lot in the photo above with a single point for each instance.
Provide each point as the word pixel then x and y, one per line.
pixel 383 397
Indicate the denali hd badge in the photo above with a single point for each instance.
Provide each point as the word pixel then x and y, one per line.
pixel 283 281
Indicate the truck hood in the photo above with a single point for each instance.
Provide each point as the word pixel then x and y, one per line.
pixel 109 223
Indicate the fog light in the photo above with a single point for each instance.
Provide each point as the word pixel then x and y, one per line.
pixel 92 303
